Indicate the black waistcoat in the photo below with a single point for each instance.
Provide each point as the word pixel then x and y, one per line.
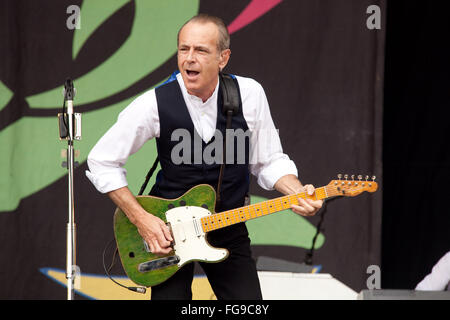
pixel 175 179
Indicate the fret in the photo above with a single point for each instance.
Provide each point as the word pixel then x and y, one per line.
pixel 243 215
pixel 271 206
pixel 204 224
pixel 274 204
pixel 219 221
pixel 278 204
pixel 331 191
pixel 286 202
pixel 252 212
pixel 311 196
pixel 226 218
pixel 320 194
pixel 258 210
pixel 293 199
pixel 264 208
pixel 233 215
pixel 289 199
pixel 239 214
pixel 215 223
pixel 210 223
pixel 230 219
pixel 301 195
pixel 248 215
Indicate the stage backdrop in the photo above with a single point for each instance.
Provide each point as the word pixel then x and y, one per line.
pixel 321 65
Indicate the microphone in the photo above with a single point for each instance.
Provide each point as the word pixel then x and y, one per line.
pixel 68 96
pixel 69 122
pixel 69 90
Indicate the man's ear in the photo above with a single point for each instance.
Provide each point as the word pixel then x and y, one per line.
pixel 224 57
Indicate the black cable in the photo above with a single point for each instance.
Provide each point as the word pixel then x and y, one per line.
pixel 309 255
pixel 135 289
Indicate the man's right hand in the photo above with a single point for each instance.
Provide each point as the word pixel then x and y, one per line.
pixel 156 233
pixel 151 228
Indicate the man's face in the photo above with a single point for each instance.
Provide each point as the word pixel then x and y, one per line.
pixel 199 60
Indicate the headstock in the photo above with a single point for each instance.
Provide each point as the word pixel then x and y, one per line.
pixel 351 187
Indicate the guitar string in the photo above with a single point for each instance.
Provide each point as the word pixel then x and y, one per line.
pixel 330 191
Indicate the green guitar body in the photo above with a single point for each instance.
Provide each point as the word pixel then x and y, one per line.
pixel 132 250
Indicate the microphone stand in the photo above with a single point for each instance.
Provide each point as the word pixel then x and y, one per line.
pixel 70 130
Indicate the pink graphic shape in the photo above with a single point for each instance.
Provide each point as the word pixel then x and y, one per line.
pixel 254 10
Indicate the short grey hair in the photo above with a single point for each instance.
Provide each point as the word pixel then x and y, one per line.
pixel 223 42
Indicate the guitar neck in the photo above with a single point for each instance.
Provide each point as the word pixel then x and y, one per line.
pixel 242 214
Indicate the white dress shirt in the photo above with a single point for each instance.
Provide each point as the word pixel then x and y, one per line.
pixel 139 122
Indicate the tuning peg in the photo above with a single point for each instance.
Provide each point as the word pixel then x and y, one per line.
pixel 353 177
pixel 359 177
pixel 339 176
pixel 367 177
pixel 373 178
pixel 346 176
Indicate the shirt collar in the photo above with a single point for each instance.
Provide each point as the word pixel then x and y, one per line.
pixel 194 99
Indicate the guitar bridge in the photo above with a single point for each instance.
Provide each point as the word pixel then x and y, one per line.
pixel 158 263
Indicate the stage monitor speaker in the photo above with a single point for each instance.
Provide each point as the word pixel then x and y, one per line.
pixel 393 294
pixel 273 264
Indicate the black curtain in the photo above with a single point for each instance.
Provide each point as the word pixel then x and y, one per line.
pixel 416 157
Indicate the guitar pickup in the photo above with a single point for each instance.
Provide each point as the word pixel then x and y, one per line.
pixel 158 263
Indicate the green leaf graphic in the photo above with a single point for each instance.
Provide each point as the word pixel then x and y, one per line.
pixel 151 43
pixel 31 152
pixel 30 147
pixel 5 95
pixel 94 13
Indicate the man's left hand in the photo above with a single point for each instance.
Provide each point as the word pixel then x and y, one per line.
pixel 307 207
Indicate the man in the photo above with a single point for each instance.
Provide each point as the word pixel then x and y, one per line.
pixel 192 101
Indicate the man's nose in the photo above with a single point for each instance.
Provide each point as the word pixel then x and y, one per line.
pixel 191 55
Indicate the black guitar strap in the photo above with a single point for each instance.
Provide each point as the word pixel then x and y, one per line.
pixel 230 96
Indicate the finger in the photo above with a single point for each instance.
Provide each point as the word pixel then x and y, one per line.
pixel 162 241
pixel 309 188
pixel 157 248
pixel 166 232
pixel 300 210
pixel 151 246
pixel 317 204
pixel 160 250
pixel 303 203
pixel 166 250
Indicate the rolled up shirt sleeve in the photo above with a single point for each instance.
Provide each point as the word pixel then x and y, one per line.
pixel 268 163
pixel 135 125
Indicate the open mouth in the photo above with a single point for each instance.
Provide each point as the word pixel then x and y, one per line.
pixel 192 73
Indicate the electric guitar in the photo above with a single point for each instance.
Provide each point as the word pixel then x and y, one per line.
pixel 191 216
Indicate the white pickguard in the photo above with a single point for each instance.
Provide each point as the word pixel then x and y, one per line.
pixel 190 240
